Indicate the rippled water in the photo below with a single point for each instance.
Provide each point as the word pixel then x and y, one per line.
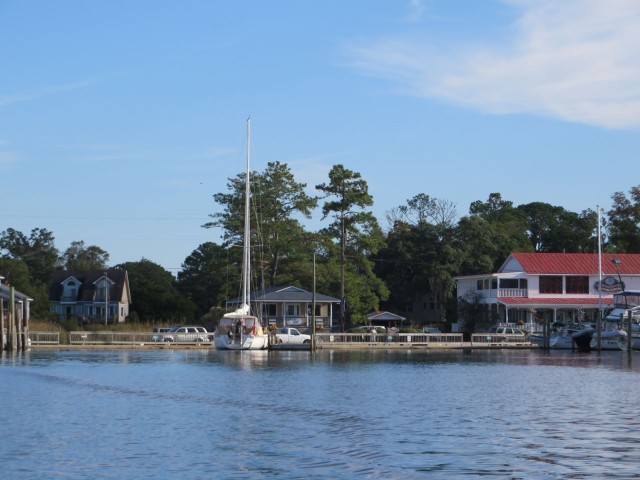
pixel 194 414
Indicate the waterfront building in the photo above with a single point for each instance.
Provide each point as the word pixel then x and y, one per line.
pixel 14 317
pixel 531 288
pixel 92 296
pixel 291 306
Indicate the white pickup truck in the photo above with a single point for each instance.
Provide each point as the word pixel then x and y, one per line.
pixel 292 336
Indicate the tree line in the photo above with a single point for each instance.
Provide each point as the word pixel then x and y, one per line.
pixel 423 246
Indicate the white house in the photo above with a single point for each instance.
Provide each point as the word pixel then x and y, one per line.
pixel 565 287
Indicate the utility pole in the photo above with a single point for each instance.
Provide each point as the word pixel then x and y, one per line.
pixel 106 298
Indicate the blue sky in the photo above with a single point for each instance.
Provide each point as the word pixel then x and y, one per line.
pixel 120 119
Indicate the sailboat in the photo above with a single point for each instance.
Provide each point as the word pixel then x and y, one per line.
pixel 239 330
pixel 609 335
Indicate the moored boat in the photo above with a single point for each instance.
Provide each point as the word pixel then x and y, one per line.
pixel 566 337
pixel 612 337
pixel 240 330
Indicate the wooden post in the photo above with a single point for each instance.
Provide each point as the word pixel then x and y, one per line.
pixel 546 331
pixel 629 339
pixel 3 337
pixel 25 322
pixel 12 319
pixel 22 342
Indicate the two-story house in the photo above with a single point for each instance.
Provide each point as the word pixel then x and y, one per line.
pixel 530 288
pixel 92 296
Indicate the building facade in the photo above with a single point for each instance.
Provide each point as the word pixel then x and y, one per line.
pixel 531 288
pixel 92 296
pixel 291 306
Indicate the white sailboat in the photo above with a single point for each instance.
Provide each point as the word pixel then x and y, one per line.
pixel 239 330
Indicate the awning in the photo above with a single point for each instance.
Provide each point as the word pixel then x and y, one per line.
pixel 554 302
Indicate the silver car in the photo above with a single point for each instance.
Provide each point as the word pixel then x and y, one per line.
pixel 189 334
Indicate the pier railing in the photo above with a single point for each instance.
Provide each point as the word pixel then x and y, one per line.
pixel 323 339
pixel 327 340
pixel 44 338
pixel 490 339
pixel 125 338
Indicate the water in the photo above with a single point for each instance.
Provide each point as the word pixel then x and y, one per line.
pixel 194 414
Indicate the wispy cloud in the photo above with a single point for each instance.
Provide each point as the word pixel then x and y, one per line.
pixel 7 157
pixel 314 170
pixel 113 152
pixel 41 92
pixel 416 10
pixel 573 60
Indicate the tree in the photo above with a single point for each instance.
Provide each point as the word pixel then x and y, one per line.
pixel 509 226
pixel 421 255
pixel 554 229
pixel 16 274
pixel 475 239
pixel 278 239
pixel 29 263
pixel 37 251
pixel 79 257
pixel 154 296
pixel 207 278
pixel 624 222
pixel 356 230
pixel 472 311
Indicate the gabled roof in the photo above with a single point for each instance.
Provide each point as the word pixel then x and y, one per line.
pixel 289 294
pixel 572 263
pixel 384 317
pixel 88 279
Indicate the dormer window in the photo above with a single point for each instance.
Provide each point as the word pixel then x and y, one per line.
pixel 70 290
pixel 102 289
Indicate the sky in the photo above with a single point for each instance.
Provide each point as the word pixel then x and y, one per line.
pixel 120 119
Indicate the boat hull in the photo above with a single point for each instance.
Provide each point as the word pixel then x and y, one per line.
pixel 582 339
pixel 566 339
pixel 247 342
pixel 610 340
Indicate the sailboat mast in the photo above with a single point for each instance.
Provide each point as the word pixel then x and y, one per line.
pixel 246 272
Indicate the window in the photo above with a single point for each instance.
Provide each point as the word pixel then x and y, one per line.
pixel 479 285
pixel 550 284
pixel 293 310
pixel 577 284
pixel 270 309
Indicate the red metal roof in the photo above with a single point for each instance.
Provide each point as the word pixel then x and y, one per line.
pixel 577 263
pixel 523 301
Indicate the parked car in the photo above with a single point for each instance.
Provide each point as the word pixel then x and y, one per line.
pixel 158 331
pixel 430 330
pixel 188 334
pixel 291 336
pixel 506 330
pixel 499 334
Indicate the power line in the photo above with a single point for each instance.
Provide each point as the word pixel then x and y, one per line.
pixel 98 217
